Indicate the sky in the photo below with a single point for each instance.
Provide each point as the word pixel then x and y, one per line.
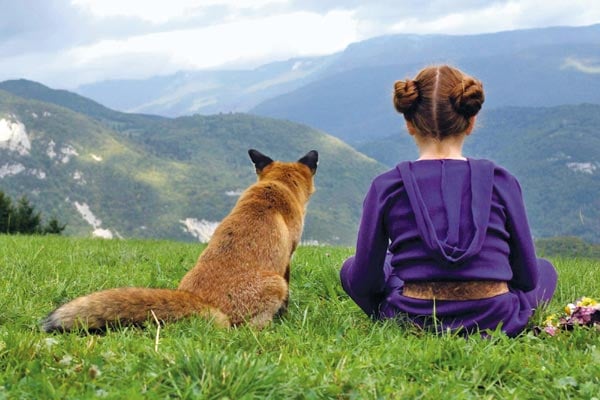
pixel 67 43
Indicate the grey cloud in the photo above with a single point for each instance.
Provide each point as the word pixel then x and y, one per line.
pixel 20 17
pixel 29 25
pixel 34 34
pixel 198 17
pixel 40 26
pixel 33 25
pixel 376 17
pixel 48 25
pixel 394 9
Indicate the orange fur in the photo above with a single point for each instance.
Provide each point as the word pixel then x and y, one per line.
pixel 241 276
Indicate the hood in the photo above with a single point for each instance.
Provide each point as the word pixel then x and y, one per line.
pixel 465 233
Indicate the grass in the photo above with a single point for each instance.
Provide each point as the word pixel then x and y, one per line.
pixel 323 348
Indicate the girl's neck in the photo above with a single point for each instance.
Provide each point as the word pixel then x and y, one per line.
pixel 433 149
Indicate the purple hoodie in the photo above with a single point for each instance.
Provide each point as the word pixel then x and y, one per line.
pixel 454 220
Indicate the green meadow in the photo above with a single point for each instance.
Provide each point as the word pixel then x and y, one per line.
pixel 324 348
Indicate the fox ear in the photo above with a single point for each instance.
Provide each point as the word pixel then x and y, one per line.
pixel 311 160
pixel 259 159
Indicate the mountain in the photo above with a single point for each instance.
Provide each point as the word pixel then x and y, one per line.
pixel 115 174
pixel 409 49
pixel 553 151
pixel 34 90
pixel 135 175
pixel 528 68
pixel 206 92
pixel 540 118
pixel 348 94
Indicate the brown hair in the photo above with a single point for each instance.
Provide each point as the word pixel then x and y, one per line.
pixel 440 101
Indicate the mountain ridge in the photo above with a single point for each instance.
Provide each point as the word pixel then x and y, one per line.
pixel 206 91
pixel 230 88
pixel 184 173
pixel 170 174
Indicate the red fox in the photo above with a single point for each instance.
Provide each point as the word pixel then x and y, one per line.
pixel 241 277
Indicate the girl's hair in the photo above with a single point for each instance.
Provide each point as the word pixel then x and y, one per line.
pixel 439 101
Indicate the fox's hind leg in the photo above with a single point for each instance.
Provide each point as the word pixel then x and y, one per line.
pixel 274 296
pixel 283 309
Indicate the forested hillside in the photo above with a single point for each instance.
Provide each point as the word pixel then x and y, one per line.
pixel 116 174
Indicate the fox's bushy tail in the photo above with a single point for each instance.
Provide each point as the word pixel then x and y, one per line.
pixel 129 306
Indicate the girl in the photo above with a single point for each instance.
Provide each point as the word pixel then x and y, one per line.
pixel 444 240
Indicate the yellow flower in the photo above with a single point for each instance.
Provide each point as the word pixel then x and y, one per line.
pixel 550 320
pixel 586 301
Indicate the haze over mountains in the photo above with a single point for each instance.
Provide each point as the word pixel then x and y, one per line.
pixel 150 175
pixel 541 67
pixel 348 93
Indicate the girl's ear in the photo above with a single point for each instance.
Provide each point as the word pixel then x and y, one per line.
pixel 472 121
pixel 411 128
pixel 259 159
pixel 311 160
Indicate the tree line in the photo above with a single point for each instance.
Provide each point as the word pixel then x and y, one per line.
pixel 569 246
pixel 21 217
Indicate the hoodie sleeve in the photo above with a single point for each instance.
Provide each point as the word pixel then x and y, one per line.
pixel 522 256
pixel 362 276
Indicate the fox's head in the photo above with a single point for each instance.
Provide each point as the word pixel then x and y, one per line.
pixel 299 174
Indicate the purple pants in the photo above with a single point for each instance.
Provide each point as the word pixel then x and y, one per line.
pixel 510 310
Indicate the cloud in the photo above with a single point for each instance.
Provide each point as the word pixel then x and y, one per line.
pixel 585 66
pixel 69 42
pixel 246 40
pixel 27 25
pixel 161 12
pixel 475 16
pixel 458 17
pixel 31 26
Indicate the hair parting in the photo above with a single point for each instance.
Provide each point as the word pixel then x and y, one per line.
pixel 439 101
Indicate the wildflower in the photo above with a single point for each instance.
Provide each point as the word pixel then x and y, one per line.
pixel 586 301
pixel 569 308
pixel 551 319
pixel 550 330
pixel 584 312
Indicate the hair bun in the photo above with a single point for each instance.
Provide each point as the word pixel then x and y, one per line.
pixel 468 97
pixel 406 95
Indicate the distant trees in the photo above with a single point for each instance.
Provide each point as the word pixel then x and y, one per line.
pixel 22 218
pixel 569 246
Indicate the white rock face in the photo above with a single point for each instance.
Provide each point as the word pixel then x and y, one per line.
pixel 90 218
pixel 13 137
pixel 64 153
pixel 11 169
pixel 234 193
pixel 50 150
pixel 102 233
pixel 586 168
pixel 38 173
pixel 201 229
pixel 16 169
pixel 67 152
pixel 78 177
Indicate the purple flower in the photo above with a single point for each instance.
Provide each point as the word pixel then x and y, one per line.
pixel 550 330
pixel 583 315
pixel 585 312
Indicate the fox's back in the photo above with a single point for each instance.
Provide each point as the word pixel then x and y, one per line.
pixel 258 236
